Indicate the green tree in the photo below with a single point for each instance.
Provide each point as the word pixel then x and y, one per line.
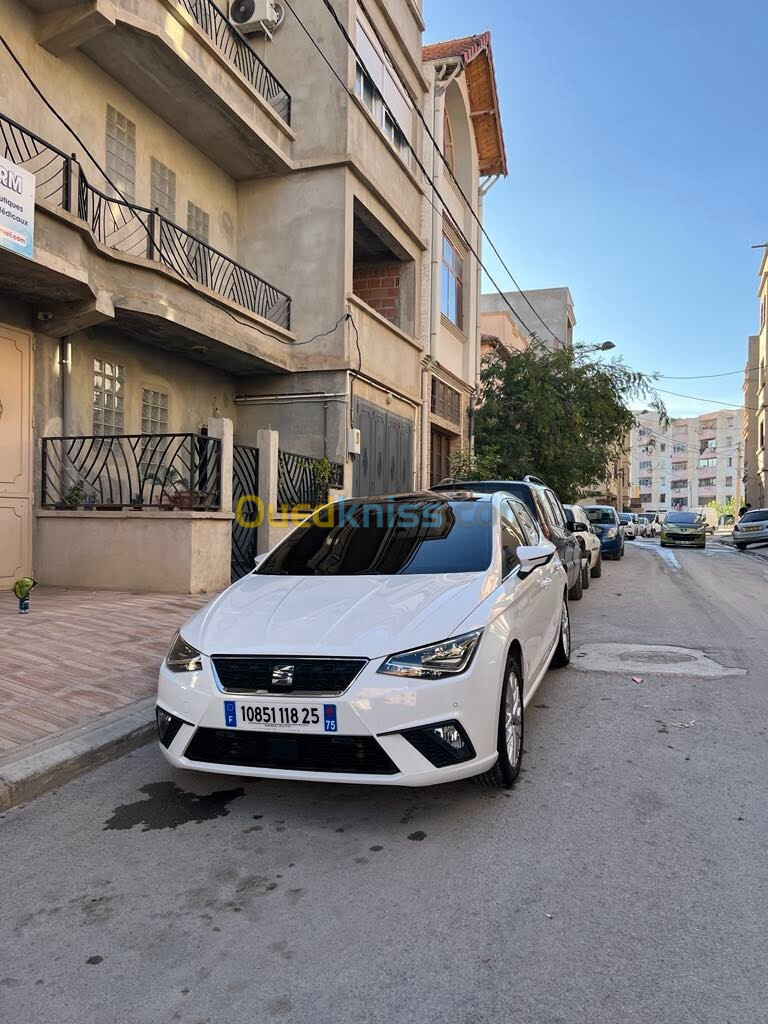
pixel 560 415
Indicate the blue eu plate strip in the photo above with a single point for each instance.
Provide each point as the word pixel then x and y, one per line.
pixel 230 714
pixel 329 711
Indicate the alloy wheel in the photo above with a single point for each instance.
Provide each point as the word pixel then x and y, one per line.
pixel 565 629
pixel 513 719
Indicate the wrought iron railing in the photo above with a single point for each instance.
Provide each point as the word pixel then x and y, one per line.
pixel 236 48
pixel 305 481
pixel 51 166
pixel 137 231
pixel 166 471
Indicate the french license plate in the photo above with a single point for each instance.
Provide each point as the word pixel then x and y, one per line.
pixel 293 717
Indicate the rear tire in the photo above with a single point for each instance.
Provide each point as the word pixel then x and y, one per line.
pixel 585 575
pixel 577 590
pixel 597 572
pixel 510 731
pixel 742 547
pixel 562 655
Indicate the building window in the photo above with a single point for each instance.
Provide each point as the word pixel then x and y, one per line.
pixel 163 189
pixel 108 397
pixel 707 463
pixel 380 92
pixel 646 499
pixel 121 153
pixel 453 283
pixel 679 466
pixel 446 402
pixel 644 432
pixel 448 150
pixel 646 465
pixel 154 412
pixel 197 222
pixel 662 497
pixel 679 448
pixel 708 481
pixel 440 455
pixel 645 481
pixel 679 485
pixel 730 462
pixel 663 447
pixel 729 481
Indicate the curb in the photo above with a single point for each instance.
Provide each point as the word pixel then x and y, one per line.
pixel 45 765
pixel 762 554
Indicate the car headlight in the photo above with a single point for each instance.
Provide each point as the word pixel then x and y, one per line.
pixel 611 533
pixel 448 658
pixel 183 657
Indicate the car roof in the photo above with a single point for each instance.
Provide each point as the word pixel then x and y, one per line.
pixel 459 494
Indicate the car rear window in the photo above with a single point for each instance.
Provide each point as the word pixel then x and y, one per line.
pixel 626 518
pixel 388 538
pixel 757 516
pixel 601 515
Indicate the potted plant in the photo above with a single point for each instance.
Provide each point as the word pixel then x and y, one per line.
pixel 89 501
pixel 137 503
pixel 323 474
pixel 75 495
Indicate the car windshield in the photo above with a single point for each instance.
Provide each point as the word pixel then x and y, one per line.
pixel 601 515
pixel 683 518
pixel 757 516
pixel 626 518
pixel 388 538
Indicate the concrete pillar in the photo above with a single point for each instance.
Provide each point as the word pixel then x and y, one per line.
pixel 220 426
pixel 267 442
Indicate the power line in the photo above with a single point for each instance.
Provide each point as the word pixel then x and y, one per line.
pixel 183 280
pixel 444 210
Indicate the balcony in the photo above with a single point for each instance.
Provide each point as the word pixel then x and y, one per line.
pixel 66 276
pixel 188 63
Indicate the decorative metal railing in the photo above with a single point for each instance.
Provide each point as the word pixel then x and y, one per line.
pixel 166 471
pixel 236 48
pixel 304 481
pixel 137 231
pixel 51 166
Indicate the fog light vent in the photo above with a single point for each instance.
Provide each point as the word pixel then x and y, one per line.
pixel 443 744
pixel 167 726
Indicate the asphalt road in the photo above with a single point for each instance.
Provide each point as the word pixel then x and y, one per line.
pixel 624 879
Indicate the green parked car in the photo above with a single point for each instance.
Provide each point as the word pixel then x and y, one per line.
pixel 685 528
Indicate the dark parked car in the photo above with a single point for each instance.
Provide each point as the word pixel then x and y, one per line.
pixel 546 508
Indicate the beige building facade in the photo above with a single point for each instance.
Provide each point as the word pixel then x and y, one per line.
pixel 690 463
pixel 756 402
pixel 229 249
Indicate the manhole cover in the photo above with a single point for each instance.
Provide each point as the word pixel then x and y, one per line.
pixel 656 657
pixel 650 659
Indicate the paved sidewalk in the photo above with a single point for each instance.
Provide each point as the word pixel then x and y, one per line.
pixel 78 656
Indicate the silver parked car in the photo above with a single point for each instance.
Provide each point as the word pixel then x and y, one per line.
pixel 752 528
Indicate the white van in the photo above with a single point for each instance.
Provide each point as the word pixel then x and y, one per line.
pixel 709 514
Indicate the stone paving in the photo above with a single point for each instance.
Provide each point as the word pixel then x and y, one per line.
pixel 78 655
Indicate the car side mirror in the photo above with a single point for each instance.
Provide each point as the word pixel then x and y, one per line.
pixel 535 556
pixel 578 527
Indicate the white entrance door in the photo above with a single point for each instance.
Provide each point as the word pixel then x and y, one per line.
pixel 15 455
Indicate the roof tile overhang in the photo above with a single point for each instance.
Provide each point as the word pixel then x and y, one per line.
pixel 476 57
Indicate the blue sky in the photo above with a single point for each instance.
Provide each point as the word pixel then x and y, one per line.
pixel 638 148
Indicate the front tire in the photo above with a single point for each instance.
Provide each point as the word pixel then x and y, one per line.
pixel 742 547
pixel 562 655
pixel 510 732
pixel 577 590
pixel 597 572
pixel 585 575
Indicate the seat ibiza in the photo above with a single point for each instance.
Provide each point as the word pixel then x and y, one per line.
pixel 394 641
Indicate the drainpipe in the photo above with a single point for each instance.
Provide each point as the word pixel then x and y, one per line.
pixel 444 75
pixel 65 372
pixel 483 189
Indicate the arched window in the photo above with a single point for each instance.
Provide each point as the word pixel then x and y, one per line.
pixel 448 151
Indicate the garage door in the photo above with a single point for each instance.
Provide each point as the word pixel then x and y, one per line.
pixel 385 462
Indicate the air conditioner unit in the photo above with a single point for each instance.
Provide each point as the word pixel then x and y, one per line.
pixel 256 15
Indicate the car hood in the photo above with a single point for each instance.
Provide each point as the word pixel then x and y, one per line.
pixel 364 616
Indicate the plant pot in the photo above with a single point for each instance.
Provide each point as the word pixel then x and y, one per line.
pixel 109 508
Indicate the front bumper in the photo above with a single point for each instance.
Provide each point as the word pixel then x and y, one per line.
pixel 372 716
pixel 689 540
pixel 611 546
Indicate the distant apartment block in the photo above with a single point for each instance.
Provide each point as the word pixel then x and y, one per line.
pixel 546 312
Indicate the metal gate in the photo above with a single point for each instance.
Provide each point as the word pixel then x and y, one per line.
pixel 245 483
pixel 385 462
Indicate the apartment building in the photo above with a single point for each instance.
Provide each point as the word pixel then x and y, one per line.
pixel 689 463
pixel 230 289
pixel 552 322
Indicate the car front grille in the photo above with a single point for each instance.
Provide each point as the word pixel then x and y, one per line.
pixel 327 676
pixel 311 753
pixel 684 536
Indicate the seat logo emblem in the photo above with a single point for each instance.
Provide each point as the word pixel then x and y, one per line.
pixel 282 676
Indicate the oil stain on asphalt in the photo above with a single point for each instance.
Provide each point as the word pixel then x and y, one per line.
pixel 168 807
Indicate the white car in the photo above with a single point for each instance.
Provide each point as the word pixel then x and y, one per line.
pixel 578 523
pixel 628 525
pixel 392 641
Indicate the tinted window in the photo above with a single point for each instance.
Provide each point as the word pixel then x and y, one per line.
pixel 626 518
pixel 683 518
pixel 758 516
pixel 527 522
pixel 544 512
pixel 519 489
pixel 557 509
pixel 600 514
pixel 511 539
pixel 388 539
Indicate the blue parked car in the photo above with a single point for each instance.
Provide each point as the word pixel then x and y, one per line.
pixel 605 520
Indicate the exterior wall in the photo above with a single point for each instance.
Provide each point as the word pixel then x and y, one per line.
pixel 502 326
pixel 754 493
pixel 553 305
pixel 378 285
pixel 761 403
pixel 654 456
